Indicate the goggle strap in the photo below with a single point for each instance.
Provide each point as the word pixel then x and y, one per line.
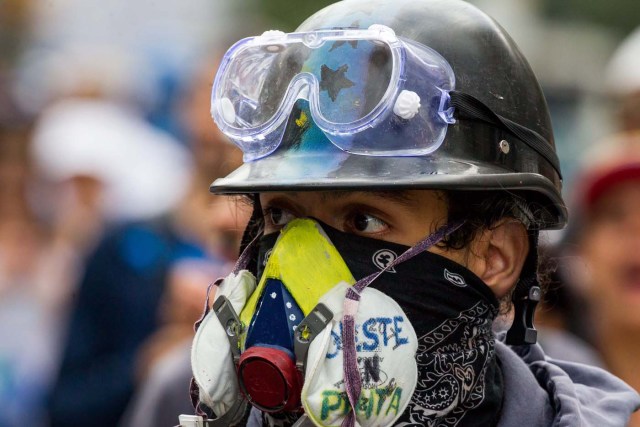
pixel 469 107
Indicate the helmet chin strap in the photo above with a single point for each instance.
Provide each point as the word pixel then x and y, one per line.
pixel 526 297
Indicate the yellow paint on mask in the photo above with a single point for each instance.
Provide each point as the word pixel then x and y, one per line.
pixel 306 262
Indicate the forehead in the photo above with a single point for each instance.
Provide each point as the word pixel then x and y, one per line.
pixel 408 198
pixel 392 196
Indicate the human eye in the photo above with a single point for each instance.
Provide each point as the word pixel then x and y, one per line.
pixel 365 223
pixel 277 217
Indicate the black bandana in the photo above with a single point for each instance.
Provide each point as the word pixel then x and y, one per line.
pixel 451 310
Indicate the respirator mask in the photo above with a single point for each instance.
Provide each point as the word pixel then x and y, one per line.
pixel 311 341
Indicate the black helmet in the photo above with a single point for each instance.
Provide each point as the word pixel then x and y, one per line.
pixel 501 140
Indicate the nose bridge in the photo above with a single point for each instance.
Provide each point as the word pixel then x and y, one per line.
pixel 325 216
pixel 318 207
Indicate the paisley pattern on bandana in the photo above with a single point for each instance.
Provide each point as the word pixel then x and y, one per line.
pixel 452 361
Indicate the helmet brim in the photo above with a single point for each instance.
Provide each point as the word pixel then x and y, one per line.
pixel 336 170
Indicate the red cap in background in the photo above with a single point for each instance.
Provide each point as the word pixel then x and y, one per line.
pixel 612 161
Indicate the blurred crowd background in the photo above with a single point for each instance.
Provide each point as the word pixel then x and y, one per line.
pixel 109 237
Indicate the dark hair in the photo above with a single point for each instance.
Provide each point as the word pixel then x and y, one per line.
pixel 480 210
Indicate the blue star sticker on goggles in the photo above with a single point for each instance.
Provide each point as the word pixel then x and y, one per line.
pixel 360 84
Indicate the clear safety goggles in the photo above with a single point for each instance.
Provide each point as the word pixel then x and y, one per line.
pixel 358 83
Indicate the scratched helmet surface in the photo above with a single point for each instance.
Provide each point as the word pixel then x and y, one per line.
pixel 474 155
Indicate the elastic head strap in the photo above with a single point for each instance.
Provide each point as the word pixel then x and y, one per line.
pixel 471 108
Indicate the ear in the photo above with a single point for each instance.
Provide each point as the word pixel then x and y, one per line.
pixel 501 252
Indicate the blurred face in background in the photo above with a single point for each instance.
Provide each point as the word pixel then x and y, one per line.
pixel 629 112
pixel 213 153
pixel 610 247
pixel 21 236
pixel 189 279
pixel 227 219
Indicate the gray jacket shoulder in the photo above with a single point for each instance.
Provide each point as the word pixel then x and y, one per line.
pixel 540 391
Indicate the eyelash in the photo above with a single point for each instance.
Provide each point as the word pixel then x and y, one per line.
pixel 351 222
pixel 269 211
pixel 348 226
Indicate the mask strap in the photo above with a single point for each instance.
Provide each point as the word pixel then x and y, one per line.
pixel 352 380
pixel 255 227
pixel 241 264
pixel 246 255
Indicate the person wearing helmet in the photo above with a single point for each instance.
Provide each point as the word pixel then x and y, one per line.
pixel 622 82
pixel 400 159
pixel 603 245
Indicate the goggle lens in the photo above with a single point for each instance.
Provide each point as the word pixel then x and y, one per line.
pixel 352 80
pixel 349 77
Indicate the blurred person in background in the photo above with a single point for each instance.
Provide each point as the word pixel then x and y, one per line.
pixel 565 327
pixel 559 316
pixel 165 364
pixel 93 155
pixel 26 336
pixel 135 266
pixel 120 267
pixel 216 221
pixel 95 158
pixel 28 261
pixel 622 80
pixel 91 73
pixel 602 253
